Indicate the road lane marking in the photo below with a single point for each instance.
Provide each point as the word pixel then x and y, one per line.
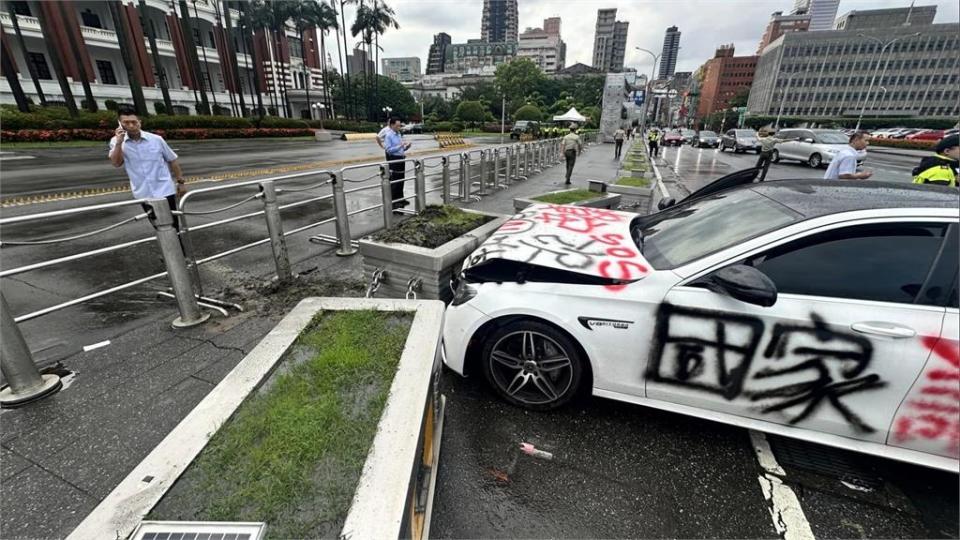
pixel 788 517
pixel 95 345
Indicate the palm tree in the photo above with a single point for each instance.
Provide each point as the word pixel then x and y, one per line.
pixel 351 112
pixel 232 51
pixel 136 88
pixel 246 26
pixel 363 25
pixel 311 14
pixel 90 103
pixel 271 16
pixel 23 47
pixel 155 55
pixel 56 61
pixel 187 29
pixel 9 70
pixel 382 18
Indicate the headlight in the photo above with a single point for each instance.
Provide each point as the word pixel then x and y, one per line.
pixel 463 292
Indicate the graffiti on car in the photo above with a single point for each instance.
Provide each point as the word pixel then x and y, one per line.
pixel 720 353
pixel 932 411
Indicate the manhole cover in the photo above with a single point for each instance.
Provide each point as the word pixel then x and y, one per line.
pixel 824 460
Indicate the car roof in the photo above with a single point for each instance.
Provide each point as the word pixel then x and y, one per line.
pixel 813 198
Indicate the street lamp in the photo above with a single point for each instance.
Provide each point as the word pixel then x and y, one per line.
pixel 387 111
pixel 646 101
pixel 873 78
pixel 783 97
pixel 320 107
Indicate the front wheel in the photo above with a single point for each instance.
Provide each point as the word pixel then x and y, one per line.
pixel 775 156
pixel 815 161
pixel 532 365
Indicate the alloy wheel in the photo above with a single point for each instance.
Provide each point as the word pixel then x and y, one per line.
pixel 531 368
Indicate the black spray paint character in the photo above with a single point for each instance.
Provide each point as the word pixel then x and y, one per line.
pixel 848 354
pixel 708 350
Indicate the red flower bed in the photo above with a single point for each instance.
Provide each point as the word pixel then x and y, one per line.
pixel 903 143
pixel 56 135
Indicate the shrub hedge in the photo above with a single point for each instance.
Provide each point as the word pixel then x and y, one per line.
pixel 903 143
pixel 56 135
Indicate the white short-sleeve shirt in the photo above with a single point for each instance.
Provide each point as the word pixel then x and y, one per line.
pixel 845 162
pixel 145 161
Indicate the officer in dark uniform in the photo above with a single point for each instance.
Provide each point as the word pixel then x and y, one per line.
pixel 940 168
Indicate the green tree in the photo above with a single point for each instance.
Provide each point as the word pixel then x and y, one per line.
pixel 740 98
pixel 392 94
pixel 592 113
pixel 518 79
pixel 528 112
pixel 471 111
pixel 311 14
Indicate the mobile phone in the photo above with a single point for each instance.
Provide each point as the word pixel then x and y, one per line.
pixel 120 125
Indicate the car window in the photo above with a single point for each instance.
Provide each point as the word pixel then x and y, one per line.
pixel 746 133
pixel 832 137
pixel 730 133
pixel 707 134
pixel 882 262
pixel 693 230
pixel 788 134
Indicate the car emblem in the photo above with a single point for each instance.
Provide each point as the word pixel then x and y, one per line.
pixel 590 323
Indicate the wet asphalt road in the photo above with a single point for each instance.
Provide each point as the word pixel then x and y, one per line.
pixel 698 166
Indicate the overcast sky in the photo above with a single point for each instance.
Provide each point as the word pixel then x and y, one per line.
pixel 705 24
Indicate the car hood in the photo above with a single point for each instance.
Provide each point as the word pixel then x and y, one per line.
pixel 590 241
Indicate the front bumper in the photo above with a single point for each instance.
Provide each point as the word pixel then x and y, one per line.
pixel 460 323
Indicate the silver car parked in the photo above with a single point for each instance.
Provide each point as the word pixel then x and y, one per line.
pixel 740 140
pixel 815 147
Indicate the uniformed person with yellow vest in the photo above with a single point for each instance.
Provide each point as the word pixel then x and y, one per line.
pixel 940 168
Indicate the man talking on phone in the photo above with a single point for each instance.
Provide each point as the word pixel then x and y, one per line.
pixel 150 163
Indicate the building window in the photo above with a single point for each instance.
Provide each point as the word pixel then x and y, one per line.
pixel 105 68
pixel 21 8
pixel 39 63
pixel 295 50
pixel 91 19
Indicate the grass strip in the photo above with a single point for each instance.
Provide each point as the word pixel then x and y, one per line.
pixel 85 144
pixel 433 227
pixel 630 181
pixel 567 197
pixel 292 454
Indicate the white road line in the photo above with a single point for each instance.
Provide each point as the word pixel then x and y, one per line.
pixel 788 517
pixel 14 158
pixel 95 345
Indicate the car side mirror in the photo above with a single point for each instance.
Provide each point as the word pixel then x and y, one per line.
pixel 742 282
pixel 808 140
pixel 666 203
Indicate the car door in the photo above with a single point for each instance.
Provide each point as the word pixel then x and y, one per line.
pixel 838 350
pixel 729 140
pixel 788 148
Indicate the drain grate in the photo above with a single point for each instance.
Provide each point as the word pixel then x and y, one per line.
pixel 198 530
pixel 842 465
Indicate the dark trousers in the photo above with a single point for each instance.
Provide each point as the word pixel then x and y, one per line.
pixel 172 202
pixel 571 157
pixel 397 172
pixel 763 163
pixel 618 147
pixel 654 148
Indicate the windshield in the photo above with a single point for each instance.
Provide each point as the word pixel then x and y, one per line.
pixel 746 133
pixel 688 232
pixel 707 134
pixel 832 137
pixel 688 132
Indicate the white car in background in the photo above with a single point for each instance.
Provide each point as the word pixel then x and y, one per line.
pixel 815 147
pixel 819 310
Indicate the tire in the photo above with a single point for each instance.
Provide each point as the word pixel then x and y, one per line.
pixel 815 161
pixel 775 156
pixel 516 371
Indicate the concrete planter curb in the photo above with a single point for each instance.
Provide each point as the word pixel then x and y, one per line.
pixel 407 434
pixel 603 200
pixel 433 266
pixel 631 191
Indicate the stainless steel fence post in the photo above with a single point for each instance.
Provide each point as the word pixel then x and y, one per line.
pixel 340 213
pixel 483 172
pixel 190 314
pixel 445 163
pixel 387 194
pixel 465 177
pixel 278 242
pixel 538 156
pixel 25 382
pixel 508 166
pixel 496 169
pixel 525 150
pixel 420 185
pixel 188 253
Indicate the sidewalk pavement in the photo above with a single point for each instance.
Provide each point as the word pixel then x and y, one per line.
pixel 60 456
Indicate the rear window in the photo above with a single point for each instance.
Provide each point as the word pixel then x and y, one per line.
pixel 707 134
pixel 688 232
pixel 746 133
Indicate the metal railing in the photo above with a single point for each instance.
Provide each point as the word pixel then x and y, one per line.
pixel 464 176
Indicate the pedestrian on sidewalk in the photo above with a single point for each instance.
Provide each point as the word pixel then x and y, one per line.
pixel 844 164
pixel 767 143
pixel 629 132
pixel 941 167
pixel 653 142
pixel 618 136
pixel 151 164
pixel 571 144
pixel 396 151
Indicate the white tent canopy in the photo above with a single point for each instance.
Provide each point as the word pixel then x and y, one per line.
pixel 570 116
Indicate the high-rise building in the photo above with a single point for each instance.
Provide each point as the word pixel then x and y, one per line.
pixel 404 69
pixel 829 73
pixel 500 21
pixel 546 50
pixel 723 76
pixel 355 62
pixel 880 18
pixel 438 53
pixel 821 12
pixel 552 25
pixel 781 24
pixel 478 56
pixel 609 41
pixel 671 48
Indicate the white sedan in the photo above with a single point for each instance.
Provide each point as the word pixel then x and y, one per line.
pixel 813 309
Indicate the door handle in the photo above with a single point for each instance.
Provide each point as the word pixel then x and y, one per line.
pixel 883 329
